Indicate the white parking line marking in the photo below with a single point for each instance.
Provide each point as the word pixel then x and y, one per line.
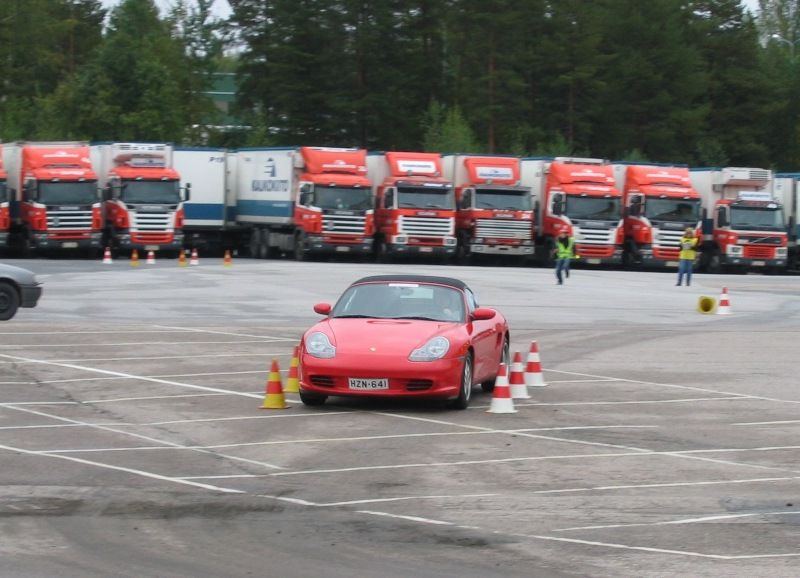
pixel 404 499
pixel 625 547
pixel 665 485
pixel 144 358
pixel 410 518
pixel 636 402
pixel 127 470
pixel 128 344
pixel 782 422
pixel 700 520
pixel 197 330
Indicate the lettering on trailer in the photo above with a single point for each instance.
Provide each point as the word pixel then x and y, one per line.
pixel 339 165
pixel 755 196
pixel 664 174
pixel 416 166
pixel 272 184
pixel 588 173
pixel 494 172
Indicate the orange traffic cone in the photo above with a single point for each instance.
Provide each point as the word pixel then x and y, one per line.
pixel 724 306
pixel 134 258
pixel 293 381
pixel 194 260
pixel 107 257
pixel 533 368
pixel 182 258
pixel 227 261
pixel 273 398
pixel 517 379
pixel 151 258
pixel 501 400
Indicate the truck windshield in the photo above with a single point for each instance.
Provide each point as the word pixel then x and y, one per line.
pixel 426 198
pixel 673 210
pixel 600 208
pixel 67 193
pixel 503 199
pixel 3 192
pixel 348 199
pixel 155 192
pixel 760 218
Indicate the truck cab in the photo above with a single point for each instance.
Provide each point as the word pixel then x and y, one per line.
pixel 494 212
pixel 659 205
pixel 415 205
pixel 5 204
pixel 143 196
pixel 744 226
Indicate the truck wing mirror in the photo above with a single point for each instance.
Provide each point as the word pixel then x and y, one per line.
pixel 722 218
pixel 187 191
pixel 558 204
pixel 305 198
pixel 790 228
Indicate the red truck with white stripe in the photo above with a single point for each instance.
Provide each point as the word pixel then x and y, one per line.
pixel 415 209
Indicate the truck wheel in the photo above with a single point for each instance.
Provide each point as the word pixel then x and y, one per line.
pixel 299 247
pixel 255 244
pixel 715 263
pixel 9 301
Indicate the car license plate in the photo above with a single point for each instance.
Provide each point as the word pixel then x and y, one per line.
pixel 593 261
pixel 426 249
pixel 69 245
pixel 342 249
pixel 151 247
pixel 759 263
pixel 368 384
pixel 672 263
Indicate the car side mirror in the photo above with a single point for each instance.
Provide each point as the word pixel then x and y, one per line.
pixel 483 314
pixel 322 308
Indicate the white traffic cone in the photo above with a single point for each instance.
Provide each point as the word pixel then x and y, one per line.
pixel 501 400
pixel 151 258
pixel 724 306
pixel 107 257
pixel 517 379
pixel 533 368
pixel 194 260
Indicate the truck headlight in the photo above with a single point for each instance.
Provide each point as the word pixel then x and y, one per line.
pixel 780 252
pixel 735 249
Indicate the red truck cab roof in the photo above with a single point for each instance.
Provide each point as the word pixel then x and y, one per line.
pixel 415 168
pixel 338 166
pixel 48 163
pixel 582 178
pixel 128 173
pixel 654 181
pixel 492 170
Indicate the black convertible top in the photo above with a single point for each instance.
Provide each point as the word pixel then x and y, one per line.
pixel 449 281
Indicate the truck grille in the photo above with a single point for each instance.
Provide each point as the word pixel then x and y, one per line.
pixel 595 236
pixel 426 226
pixel 759 251
pixel 667 238
pixel 343 224
pixel 72 220
pixel 761 240
pixel 503 229
pixel 144 222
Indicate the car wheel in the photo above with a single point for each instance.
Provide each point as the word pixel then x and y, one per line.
pixel 465 392
pixel 9 301
pixel 505 357
pixel 312 399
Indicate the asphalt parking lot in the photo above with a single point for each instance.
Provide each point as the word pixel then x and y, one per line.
pixel 667 442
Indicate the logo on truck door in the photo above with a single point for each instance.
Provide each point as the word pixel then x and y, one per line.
pixel 269 168
pixel 270 184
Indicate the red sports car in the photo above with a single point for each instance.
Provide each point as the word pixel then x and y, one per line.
pixel 403 336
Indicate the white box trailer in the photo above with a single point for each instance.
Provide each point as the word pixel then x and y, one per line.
pixel 205 169
pixel 264 185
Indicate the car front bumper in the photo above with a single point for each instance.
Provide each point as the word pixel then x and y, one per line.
pixel 29 295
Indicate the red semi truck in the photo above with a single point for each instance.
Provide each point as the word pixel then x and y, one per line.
pixel 743 226
pixel 659 203
pixel 5 205
pixel 55 190
pixel 579 196
pixel 494 214
pixel 415 205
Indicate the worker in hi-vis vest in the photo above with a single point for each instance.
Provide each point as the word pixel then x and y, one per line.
pixel 687 256
pixel 564 252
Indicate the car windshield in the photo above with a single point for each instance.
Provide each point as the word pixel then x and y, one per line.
pixel 426 198
pixel 401 300
pixel 67 193
pixel 343 198
pixel 3 192
pixel 155 192
pixel 503 199
pixel 674 210
pixel 599 208
pixel 762 218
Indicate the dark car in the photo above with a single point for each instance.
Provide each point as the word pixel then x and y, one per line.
pixel 18 288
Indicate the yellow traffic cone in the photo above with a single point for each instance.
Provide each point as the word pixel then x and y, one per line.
pixel 135 258
pixel 273 398
pixel 293 381
pixel 227 261
pixel 182 258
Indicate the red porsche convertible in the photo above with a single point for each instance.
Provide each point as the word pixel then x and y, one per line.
pixel 403 336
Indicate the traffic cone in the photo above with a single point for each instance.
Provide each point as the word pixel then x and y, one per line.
pixel 227 261
pixel 501 400
pixel 151 258
pixel 182 258
pixel 517 379
pixel 273 398
pixel 724 306
pixel 194 260
pixel 107 256
pixel 292 380
pixel 533 368
pixel 134 258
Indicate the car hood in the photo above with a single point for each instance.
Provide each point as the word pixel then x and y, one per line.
pixel 387 335
pixel 18 274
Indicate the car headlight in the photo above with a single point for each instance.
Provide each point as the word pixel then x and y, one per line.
pixel 318 345
pixel 432 350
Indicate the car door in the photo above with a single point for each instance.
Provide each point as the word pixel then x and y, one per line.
pixel 484 336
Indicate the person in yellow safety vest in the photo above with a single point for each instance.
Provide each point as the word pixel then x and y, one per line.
pixel 564 252
pixel 687 256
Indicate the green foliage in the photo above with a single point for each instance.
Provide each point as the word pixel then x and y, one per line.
pixel 448 131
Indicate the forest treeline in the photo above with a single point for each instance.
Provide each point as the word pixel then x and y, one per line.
pixel 702 82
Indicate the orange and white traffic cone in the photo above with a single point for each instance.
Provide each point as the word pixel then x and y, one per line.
pixel 273 398
pixel 517 379
pixel 227 261
pixel 292 380
pixel 134 258
pixel 194 260
pixel 533 368
pixel 501 400
pixel 107 256
pixel 151 258
pixel 724 306
pixel 182 258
